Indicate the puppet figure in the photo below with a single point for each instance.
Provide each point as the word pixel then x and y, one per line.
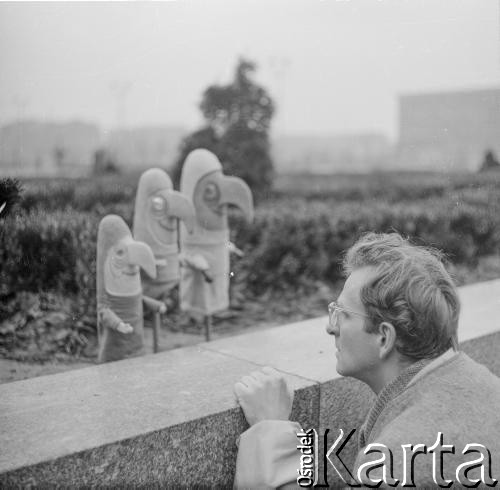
pixel 204 286
pixel 157 211
pixel 119 293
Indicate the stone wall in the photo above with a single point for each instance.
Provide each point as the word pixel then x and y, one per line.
pixel 171 419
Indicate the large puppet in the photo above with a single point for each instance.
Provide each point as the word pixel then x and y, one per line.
pixel 119 293
pixel 157 211
pixel 204 286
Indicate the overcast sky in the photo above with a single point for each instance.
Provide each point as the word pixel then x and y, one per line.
pixel 331 66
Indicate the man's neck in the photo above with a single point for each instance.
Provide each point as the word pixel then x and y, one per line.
pixel 387 373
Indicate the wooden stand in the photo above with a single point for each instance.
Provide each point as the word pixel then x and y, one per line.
pixel 208 327
pixel 156 331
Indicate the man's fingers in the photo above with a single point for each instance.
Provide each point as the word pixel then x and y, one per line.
pixel 240 389
pixel 248 381
pixel 273 376
pixel 258 375
pixel 264 395
pixel 257 378
pixel 278 377
pixel 270 371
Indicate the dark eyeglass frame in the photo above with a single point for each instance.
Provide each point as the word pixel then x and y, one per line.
pixel 333 313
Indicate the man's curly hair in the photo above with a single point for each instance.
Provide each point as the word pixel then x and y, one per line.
pixel 411 289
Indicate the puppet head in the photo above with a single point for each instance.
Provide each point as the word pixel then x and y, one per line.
pixel 157 209
pixel 211 191
pixel 119 258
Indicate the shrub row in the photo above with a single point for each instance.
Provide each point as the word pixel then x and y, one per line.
pixel 52 251
pixel 388 186
pixel 78 194
pixel 48 251
pixel 291 242
pixel 306 241
pixel 99 194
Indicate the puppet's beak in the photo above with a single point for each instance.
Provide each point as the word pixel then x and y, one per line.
pixel 180 206
pixel 235 191
pixel 140 254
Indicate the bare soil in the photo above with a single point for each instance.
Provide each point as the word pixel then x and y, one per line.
pixel 31 359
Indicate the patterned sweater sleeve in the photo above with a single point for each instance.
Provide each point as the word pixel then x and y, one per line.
pixel 268 456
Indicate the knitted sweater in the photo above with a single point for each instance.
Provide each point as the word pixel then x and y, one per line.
pixel 456 398
pixel 391 391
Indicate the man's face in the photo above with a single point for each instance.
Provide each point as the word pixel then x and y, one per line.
pixel 357 350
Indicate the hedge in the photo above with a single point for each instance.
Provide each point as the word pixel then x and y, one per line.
pixel 292 241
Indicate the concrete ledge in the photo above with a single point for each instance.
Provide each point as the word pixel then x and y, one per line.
pixel 172 419
pixel 139 421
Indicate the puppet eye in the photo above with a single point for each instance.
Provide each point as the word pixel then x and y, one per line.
pixel 158 203
pixel 211 192
pixel 120 252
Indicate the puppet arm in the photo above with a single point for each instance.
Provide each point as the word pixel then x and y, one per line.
pixel 198 263
pixel 109 319
pixel 154 305
pixel 235 250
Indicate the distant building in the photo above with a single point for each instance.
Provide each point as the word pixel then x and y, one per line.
pixel 448 130
pixel 44 148
pixel 36 148
pixel 361 152
pixel 145 146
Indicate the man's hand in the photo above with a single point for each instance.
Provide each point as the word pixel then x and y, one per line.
pixel 264 395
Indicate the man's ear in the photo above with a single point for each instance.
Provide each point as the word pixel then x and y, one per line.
pixel 387 339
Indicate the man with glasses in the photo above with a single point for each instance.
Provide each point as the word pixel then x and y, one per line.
pixel 395 328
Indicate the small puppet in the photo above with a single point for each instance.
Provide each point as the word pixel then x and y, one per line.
pixel 157 211
pixel 119 293
pixel 204 286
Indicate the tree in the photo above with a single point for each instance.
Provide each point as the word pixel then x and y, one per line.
pixel 59 157
pixel 203 138
pixel 247 155
pixel 237 122
pixel 490 162
pixel 104 163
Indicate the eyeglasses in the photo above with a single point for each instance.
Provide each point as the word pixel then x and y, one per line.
pixel 333 313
